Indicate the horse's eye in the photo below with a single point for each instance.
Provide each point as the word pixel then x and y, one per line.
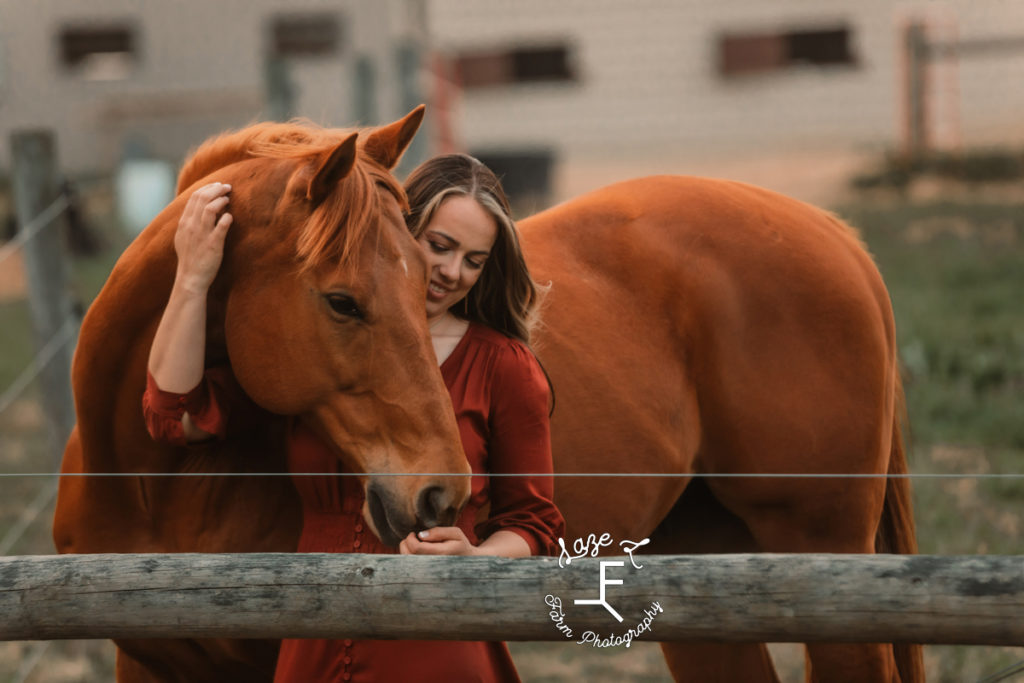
pixel 344 305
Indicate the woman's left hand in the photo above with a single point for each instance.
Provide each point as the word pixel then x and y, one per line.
pixel 441 540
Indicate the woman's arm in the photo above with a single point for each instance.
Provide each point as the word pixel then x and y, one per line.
pixel 176 359
pixel 519 447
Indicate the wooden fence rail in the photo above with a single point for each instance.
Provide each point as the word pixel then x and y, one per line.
pixel 764 597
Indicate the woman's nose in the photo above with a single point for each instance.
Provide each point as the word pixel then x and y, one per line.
pixel 450 268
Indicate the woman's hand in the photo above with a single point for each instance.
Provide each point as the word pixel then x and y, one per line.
pixel 441 540
pixel 199 239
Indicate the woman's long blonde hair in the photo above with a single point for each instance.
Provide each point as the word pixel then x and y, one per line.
pixel 505 297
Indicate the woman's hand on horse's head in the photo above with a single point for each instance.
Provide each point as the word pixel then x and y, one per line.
pixel 441 540
pixel 199 239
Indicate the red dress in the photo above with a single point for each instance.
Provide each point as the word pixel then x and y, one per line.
pixel 501 403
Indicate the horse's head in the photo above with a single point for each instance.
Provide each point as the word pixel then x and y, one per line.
pixel 323 292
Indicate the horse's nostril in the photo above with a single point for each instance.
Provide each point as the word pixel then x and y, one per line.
pixel 434 508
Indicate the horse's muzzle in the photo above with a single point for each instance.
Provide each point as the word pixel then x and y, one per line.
pixel 390 528
pixel 434 507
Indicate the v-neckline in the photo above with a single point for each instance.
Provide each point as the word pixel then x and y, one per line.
pixel 458 347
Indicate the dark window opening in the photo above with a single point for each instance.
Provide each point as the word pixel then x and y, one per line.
pixel 819 47
pixel 517 65
pixel 526 176
pixel 306 35
pixel 99 52
pixel 748 53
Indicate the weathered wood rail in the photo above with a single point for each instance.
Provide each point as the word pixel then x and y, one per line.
pixel 764 597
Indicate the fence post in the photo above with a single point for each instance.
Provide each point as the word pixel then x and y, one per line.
pixel 364 97
pixel 35 187
pixel 280 91
pixel 409 50
pixel 917 56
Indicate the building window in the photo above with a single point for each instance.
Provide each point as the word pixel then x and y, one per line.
pixel 526 176
pixel 102 53
pixel 484 68
pixel 306 35
pixel 749 53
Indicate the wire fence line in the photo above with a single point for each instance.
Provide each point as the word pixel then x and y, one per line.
pixel 30 661
pixel 1005 674
pixel 34 227
pixel 44 356
pixel 65 334
pixel 557 475
pixel 28 516
pixel 68 328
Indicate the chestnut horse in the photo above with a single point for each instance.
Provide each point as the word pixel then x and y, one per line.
pixel 711 327
pixel 318 309
pixel 692 326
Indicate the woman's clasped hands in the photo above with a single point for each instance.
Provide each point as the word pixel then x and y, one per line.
pixel 440 540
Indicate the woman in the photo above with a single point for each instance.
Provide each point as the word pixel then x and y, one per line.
pixel 479 302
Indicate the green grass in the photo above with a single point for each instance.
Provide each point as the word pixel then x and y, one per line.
pixel 956 276
pixel 16 341
pixel 955 272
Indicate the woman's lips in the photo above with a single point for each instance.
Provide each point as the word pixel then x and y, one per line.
pixel 436 291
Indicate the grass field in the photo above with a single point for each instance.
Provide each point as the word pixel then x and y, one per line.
pixel 955 270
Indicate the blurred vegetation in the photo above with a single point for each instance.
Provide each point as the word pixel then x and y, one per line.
pixel 955 272
pixel 86 276
pixel 973 166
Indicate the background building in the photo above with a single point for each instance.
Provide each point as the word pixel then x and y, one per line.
pixel 562 97
pixel 606 89
pixel 118 78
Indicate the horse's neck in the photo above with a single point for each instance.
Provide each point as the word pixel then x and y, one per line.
pixel 117 333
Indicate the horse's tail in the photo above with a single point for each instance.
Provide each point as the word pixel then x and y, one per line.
pixel 896 530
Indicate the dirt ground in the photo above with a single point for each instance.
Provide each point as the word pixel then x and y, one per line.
pixel 12 277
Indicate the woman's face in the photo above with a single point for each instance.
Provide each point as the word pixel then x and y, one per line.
pixel 457 241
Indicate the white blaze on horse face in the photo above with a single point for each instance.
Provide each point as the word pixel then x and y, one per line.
pixel 405 266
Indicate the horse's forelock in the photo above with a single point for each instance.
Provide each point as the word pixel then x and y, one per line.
pixel 340 223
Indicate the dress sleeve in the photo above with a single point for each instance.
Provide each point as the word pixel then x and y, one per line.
pixel 208 405
pixel 520 442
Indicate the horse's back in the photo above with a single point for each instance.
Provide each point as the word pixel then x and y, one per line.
pixel 700 325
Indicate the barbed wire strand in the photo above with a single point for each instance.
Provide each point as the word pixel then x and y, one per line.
pixel 1005 673
pixel 39 362
pixel 625 475
pixel 28 664
pixel 34 226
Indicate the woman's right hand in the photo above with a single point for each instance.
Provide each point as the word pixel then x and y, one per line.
pixel 199 239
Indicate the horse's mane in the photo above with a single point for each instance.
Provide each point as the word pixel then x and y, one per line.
pixel 342 220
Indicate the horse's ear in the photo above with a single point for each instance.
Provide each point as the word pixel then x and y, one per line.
pixel 386 144
pixel 335 166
